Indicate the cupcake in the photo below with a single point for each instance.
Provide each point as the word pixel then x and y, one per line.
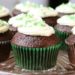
pixel 70 41
pixel 5 37
pixel 48 14
pixel 4 13
pixel 24 7
pixel 64 26
pixel 35 46
pixel 66 9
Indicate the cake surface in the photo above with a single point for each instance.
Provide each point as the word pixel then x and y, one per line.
pixel 34 41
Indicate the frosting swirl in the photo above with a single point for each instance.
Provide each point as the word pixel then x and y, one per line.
pixel 31 25
pixel 3 11
pixel 66 8
pixel 3 26
pixel 22 19
pixel 25 7
pixel 68 20
pixel 43 11
pixel 36 28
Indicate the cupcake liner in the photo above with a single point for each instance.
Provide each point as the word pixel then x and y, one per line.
pixel 36 58
pixel 64 46
pixel 61 35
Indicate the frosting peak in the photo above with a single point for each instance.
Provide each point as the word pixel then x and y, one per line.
pixel 37 30
pixel 36 27
pixel 68 20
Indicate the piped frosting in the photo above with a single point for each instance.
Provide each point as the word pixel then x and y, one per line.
pixel 21 19
pixel 68 20
pixel 17 20
pixel 43 11
pixel 26 6
pixel 66 8
pixel 31 25
pixel 36 27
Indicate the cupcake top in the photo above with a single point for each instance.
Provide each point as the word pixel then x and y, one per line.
pixel 31 25
pixel 68 20
pixel 26 6
pixel 66 8
pixel 36 27
pixel 3 26
pixel 43 11
pixel 22 19
pixel 3 11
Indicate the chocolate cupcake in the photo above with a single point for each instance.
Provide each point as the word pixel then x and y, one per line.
pixel 24 7
pixel 4 13
pixel 66 9
pixel 48 14
pixel 70 41
pixel 35 47
pixel 64 26
pixel 5 37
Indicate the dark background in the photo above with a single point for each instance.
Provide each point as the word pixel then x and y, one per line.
pixel 54 3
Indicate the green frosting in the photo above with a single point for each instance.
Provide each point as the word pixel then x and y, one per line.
pixel 30 20
pixel 1 7
pixel 2 23
pixel 24 16
pixel 27 20
pixel 28 4
pixel 72 17
pixel 71 5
